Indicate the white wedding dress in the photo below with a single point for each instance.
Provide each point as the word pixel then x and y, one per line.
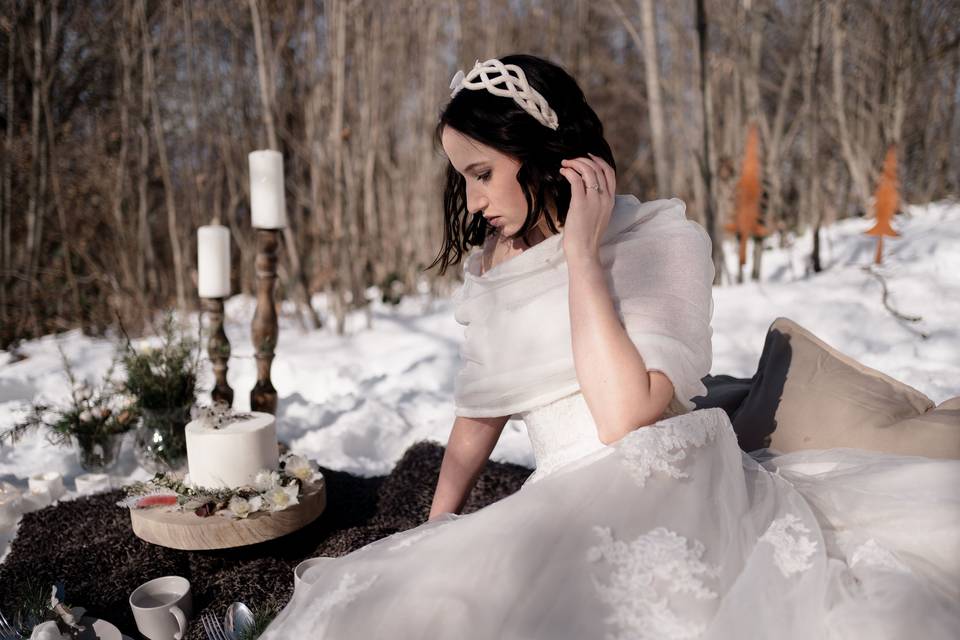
pixel 671 532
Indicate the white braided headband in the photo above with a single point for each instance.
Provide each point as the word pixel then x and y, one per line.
pixel 503 83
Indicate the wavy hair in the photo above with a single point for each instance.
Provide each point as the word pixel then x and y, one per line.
pixel 502 124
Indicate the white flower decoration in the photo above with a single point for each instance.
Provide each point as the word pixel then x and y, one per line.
pixel 81 391
pixel 279 498
pixel 241 507
pixel 266 481
pixel 85 416
pixel 300 468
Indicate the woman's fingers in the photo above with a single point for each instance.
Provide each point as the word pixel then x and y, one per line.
pixel 609 174
pixel 576 182
pixel 592 175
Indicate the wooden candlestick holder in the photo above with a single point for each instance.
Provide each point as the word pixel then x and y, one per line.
pixel 218 348
pixel 263 397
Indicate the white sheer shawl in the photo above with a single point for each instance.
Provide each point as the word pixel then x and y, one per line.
pixel 517 352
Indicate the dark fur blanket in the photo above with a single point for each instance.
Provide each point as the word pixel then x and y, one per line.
pixel 88 543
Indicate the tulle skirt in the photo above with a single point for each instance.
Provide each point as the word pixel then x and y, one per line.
pixel 671 532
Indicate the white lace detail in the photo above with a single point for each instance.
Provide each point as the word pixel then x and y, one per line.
pixel 343 594
pixel 407 538
pixel 658 446
pixel 646 571
pixel 792 549
pixel 560 432
pixel 871 554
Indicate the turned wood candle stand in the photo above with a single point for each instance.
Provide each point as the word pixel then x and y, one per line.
pixel 218 348
pixel 263 397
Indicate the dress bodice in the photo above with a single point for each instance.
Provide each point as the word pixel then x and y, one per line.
pixel 560 432
pixel 564 430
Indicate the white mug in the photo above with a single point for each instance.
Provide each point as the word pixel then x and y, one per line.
pixel 162 608
pixel 303 566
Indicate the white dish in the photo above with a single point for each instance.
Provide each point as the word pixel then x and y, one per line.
pixel 97 629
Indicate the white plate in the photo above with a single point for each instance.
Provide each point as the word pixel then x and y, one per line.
pixel 97 629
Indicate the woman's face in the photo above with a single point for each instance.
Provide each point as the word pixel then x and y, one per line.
pixel 491 176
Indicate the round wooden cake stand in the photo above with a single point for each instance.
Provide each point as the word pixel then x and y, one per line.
pixel 188 531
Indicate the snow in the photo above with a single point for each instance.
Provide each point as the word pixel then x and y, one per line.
pixel 357 402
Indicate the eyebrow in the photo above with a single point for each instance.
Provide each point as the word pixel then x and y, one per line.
pixel 473 165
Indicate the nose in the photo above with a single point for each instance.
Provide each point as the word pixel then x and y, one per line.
pixel 476 200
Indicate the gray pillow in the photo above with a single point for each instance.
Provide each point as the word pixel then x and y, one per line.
pixel 808 395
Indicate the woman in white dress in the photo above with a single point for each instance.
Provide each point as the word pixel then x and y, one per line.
pixel 587 314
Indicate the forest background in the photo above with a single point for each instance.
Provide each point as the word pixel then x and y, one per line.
pixel 126 124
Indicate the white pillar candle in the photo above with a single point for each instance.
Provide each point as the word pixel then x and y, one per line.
pixel 49 481
pixel 213 261
pixel 11 505
pixel 90 483
pixel 36 499
pixel 268 203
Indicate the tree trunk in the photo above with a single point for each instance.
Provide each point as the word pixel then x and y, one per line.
pixel 706 152
pixel 297 280
pixel 856 166
pixel 169 195
pixel 812 97
pixel 148 279
pixel 6 219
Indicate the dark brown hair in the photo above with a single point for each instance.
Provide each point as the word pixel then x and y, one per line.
pixel 500 123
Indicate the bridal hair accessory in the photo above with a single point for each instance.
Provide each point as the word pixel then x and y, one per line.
pixel 509 81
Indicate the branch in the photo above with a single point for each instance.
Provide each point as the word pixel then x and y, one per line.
pixel 896 314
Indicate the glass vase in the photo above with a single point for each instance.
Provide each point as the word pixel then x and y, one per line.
pixel 98 453
pixel 160 444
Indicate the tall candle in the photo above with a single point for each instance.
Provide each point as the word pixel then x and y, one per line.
pixel 267 201
pixel 213 261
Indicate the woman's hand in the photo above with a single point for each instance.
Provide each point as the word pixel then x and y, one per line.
pixel 590 208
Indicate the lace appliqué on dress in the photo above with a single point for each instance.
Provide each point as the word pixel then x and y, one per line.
pixel 659 446
pixel 344 593
pixel 871 554
pixel 646 571
pixel 411 538
pixel 792 549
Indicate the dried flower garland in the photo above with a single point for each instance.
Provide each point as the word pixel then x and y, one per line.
pixel 219 415
pixel 269 491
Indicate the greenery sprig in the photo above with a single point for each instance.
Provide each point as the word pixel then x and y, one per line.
pixel 164 377
pixel 93 414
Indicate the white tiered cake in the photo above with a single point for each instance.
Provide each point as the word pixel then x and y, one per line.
pixel 231 455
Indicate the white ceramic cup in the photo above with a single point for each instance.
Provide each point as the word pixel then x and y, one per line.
pixel 51 481
pixel 303 566
pixel 90 483
pixel 162 608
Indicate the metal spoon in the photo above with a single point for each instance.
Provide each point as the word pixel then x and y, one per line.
pixel 237 620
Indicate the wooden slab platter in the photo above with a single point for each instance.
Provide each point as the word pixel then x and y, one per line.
pixel 189 532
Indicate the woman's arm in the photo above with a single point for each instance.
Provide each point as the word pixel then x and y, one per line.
pixel 468 449
pixel 621 394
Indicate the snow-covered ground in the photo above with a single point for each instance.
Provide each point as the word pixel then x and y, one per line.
pixel 358 401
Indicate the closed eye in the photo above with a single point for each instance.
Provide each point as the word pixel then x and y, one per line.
pixel 483 177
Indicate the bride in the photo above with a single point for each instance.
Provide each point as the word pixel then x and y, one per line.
pixel 587 315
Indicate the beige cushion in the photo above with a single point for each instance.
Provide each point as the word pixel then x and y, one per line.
pixel 808 395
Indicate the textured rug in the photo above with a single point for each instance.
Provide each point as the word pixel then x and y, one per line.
pixel 89 546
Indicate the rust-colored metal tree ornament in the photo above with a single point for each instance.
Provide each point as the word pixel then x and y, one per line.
pixel 746 222
pixel 886 202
